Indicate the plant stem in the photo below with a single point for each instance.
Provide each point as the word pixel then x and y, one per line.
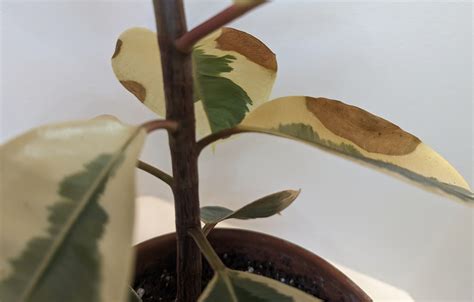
pixel 151 126
pixel 178 86
pixel 155 172
pixel 186 42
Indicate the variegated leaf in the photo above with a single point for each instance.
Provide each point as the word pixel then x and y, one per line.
pixel 233 72
pixel 67 200
pixel 356 133
pixel 237 286
pixel 264 207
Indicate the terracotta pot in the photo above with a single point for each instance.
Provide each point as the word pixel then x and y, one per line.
pixel 286 257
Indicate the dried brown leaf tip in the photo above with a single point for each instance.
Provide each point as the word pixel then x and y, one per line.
pixel 118 46
pixel 369 132
pixel 248 46
pixel 136 88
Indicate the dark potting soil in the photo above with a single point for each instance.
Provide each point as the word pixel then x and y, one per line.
pixel 160 285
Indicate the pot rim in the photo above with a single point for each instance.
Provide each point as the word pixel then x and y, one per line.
pixel 146 250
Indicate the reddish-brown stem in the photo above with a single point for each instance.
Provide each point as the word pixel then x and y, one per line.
pixel 151 126
pixel 186 42
pixel 178 86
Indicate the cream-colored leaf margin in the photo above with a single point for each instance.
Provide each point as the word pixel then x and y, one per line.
pixel 357 134
pixel 32 167
pixel 137 65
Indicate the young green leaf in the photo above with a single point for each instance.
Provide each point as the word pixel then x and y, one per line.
pixel 264 207
pixel 67 208
pixel 233 73
pixel 357 134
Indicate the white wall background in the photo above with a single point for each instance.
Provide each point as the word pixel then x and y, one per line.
pixel 410 62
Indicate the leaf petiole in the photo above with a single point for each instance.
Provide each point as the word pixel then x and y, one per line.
pixel 207 250
pixel 155 172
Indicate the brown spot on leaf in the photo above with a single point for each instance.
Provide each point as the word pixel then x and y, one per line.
pixel 136 88
pixel 118 46
pixel 369 132
pixel 248 46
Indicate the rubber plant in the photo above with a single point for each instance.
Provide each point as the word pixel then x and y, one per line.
pixel 67 190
